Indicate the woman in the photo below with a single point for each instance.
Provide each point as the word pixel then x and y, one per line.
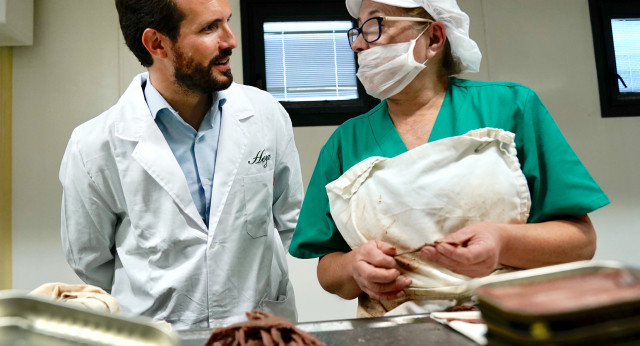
pixel 424 105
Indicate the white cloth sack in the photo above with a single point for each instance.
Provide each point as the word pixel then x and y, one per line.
pixel 427 193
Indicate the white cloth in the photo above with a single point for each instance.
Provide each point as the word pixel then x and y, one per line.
pixel 87 296
pixel 427 193
pixel 465 322
pixel 454 19
pixel 129 224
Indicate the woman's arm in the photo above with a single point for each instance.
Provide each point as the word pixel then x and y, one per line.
pixel 369 269
pixel 476 250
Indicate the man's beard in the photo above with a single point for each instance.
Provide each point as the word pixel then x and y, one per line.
pixel 198 78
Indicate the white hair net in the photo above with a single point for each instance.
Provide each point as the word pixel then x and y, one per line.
pixel 446 11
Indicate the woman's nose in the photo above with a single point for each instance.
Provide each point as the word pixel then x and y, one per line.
pixel 359 44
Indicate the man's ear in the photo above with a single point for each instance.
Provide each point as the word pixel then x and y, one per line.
pixel 154 42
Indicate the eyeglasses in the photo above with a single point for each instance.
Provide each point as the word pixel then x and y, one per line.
pixel 371 29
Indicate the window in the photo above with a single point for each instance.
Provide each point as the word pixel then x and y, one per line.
pixel 626 46
pixel 291 48
pixel 299 52
pixel 616 39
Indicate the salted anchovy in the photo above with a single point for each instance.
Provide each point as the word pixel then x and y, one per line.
pixel 262 328
pixel 416 249
pixel 434 244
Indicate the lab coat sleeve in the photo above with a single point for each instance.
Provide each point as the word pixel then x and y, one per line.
pixel 87 223
pixel 287 189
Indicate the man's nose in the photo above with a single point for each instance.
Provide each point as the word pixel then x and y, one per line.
pixel 227 39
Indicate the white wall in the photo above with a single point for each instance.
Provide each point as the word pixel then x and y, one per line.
pixel 78 66
pixel 67 76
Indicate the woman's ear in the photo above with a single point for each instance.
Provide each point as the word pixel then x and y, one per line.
pixel 437 37
pixel 154 42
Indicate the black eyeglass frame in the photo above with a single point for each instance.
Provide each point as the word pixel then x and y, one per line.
pixel 353 33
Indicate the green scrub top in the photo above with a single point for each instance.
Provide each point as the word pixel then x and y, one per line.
pixel 558 182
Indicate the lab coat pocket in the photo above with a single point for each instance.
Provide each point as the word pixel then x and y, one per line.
pixel 258 196
pixel 285 306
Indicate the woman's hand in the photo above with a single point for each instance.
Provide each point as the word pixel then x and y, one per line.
pixel 477 249
pixel 369 268
pixel 374 271
pixel 473 251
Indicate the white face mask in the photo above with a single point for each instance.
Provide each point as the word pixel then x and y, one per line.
pixel 386 70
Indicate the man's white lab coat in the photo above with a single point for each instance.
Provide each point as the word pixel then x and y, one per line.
pixel 130 226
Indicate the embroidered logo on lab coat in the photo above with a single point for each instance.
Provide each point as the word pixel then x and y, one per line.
pixel 260 159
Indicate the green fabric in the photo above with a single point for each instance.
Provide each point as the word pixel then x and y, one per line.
pixel 558 182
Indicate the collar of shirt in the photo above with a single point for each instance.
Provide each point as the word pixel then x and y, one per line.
pixel 157 103
pixel 194 149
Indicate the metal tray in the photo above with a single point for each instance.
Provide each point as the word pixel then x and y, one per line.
pixel 614 322
pixel 28 320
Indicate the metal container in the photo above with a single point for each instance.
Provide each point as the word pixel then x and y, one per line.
pixel 28 320
pixel 611 322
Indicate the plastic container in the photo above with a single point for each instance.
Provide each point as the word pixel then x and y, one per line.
pixel 578 303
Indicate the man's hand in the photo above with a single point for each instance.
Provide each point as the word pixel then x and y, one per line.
pixel 473 251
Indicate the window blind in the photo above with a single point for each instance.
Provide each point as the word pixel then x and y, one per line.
pixel 626 42
pixel 309 61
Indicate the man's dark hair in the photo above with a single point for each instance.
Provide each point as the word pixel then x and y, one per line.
pixel 138 15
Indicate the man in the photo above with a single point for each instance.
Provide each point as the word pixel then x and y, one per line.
pixel 173 198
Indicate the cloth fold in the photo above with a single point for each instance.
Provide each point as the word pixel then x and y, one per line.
pixel 467 323
pixel 87 296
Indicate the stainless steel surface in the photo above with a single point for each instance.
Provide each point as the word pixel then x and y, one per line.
pixel 27 320
pixel 398 330
pixel 366 323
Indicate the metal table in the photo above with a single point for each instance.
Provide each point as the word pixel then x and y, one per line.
pixel 399 330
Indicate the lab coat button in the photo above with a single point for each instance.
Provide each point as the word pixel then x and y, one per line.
pixel 206 181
